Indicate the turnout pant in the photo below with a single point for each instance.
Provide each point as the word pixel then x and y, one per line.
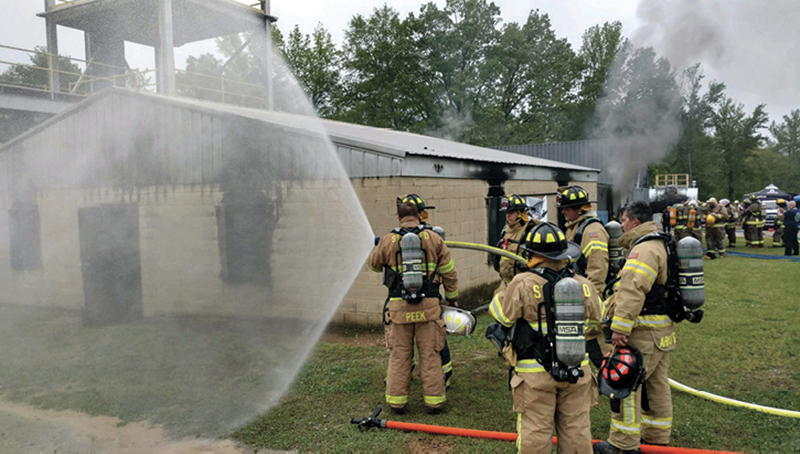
pixel 715 237
pixel 543 404
pixel 428 335
pixel 629 423
pixel 731 232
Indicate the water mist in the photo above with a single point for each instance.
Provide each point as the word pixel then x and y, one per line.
pixel 172 260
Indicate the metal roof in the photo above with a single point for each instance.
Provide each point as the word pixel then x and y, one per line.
pixel 590 153
pixel 416 155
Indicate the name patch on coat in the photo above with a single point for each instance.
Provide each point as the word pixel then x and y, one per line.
pixel 415 316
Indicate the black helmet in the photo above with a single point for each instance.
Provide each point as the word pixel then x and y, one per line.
pixel 416 200
pixel 513 202
pixel 548 241
pixel 621 372
pixel 572 196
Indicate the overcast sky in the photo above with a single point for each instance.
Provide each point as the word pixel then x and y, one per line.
pixel 751 45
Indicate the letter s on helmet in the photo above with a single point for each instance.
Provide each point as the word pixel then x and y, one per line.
pixel 458 321
pixel 621 372
pixel 573 196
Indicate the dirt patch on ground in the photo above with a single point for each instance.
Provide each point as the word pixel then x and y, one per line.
pixel 29 429
pixel 429 445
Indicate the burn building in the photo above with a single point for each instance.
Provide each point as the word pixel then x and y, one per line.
pixel 202 208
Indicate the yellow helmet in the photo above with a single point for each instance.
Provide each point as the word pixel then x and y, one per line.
pixel 711 219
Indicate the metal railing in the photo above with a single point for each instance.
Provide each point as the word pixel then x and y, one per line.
pixel 81 84
pixel 679 180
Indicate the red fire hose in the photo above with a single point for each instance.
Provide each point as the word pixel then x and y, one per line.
pixel 370 422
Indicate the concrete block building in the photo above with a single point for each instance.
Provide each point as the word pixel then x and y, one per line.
pixel 131 205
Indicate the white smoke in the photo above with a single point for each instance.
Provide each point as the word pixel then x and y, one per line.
pixel 750 45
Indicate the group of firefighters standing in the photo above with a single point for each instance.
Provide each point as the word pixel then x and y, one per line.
pixel 721 219
pixel 628 336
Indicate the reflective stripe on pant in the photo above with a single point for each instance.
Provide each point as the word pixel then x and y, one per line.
pixel 429 339
pixel 543 404
pixel 631 424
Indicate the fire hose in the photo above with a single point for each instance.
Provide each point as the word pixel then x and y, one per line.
pixel 372 421
pixel 673 383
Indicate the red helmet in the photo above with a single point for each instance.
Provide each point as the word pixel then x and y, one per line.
pixel 621 372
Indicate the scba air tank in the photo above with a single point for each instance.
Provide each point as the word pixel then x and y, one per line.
pixel 690 273
pixel 411 255
pixel 615 252
pixel 569 317
pixel 439 231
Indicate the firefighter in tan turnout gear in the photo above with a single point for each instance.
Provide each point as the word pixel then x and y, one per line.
pixel 517 224
pixel 585 229
pixel 715 228
pixel 638 319
pixel 546 393
pixel 411 257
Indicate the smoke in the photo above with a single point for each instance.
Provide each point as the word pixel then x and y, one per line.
pixel 750 45
pixel 638 116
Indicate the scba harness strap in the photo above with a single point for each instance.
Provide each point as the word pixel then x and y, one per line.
pixel 583 261
pixel 532 344
pixel 394 277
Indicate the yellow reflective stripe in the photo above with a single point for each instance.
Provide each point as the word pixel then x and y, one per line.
pixel 369 264
pixel 447 367
pixel 590 322
pixel 628 430
pixel 395 299
pixel 621 324
pixel 627 424
pixel 653 321
pixel 451 295
pixel 497 312
pixel 434 400
pixel 397 400
pixel 528 366
pixel 595 245
pixel 642 268
pixel 447 268
pixel 657 423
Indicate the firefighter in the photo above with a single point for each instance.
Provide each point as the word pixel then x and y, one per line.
pixel 730 222
pixel 692 213
pixel 586 230
pixel 447 363
pixel 753 223
pixel 414 318
pixel 777 235
pixel 541 401
pixel 513 234
pixel 679 228
pixel 638 320
pixel 716 216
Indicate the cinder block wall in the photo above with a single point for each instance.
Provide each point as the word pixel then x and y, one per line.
pixel 460 209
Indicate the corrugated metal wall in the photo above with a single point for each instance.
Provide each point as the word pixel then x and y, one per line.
pixel 588 153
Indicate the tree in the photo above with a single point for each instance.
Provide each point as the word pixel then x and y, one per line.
pixel 315 62
pixel 533 74
pixel 736 137
pixel 385 82
pixel 600 47
pixel 37 75
pixel 787 143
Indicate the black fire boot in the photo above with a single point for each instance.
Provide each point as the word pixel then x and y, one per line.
pixel 604 447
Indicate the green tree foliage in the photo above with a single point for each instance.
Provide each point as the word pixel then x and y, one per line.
pixel 315 62
pixel 736 137
pixel 601 45
pixel 36 74
pixel 787 143
pixel 385 81
pixel 531 76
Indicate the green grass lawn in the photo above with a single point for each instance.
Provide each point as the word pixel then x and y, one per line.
pixel 746 348
pixel 209 377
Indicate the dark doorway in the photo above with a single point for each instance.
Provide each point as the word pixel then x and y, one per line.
pixel 110 262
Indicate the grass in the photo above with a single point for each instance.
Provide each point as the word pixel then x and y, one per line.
pixel 745 349
pixel 196 380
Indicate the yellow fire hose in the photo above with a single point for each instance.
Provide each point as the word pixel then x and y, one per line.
pixel 734 402
pixel 673 383
pixel 485 248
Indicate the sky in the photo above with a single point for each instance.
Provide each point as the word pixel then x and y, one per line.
pixel 750 45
